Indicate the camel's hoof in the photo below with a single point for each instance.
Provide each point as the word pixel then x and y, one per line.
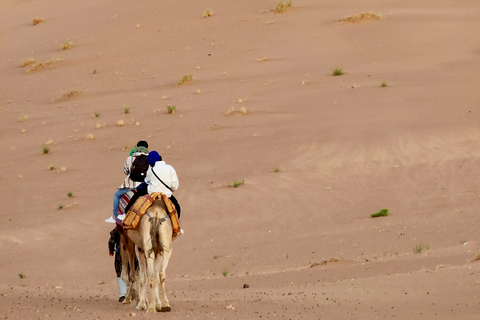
pixel 127 301
pixel 152 310
pixel 141 306
pixel 166 309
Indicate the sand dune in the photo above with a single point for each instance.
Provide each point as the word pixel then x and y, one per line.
pixel 317 153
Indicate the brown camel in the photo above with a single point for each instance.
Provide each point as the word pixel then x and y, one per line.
pixel 152 243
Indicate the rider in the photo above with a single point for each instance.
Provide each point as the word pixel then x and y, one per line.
pixel 128 184
pixel 160 177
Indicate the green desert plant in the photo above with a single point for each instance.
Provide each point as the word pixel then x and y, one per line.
pixel 383 84
pixel 381 213
pixel 215 257
pixel 276 169
pixel 60 206
pixel 96 114
pixel 225 271
pixel 51 168
pixel 237 184
pixel 45 150
pixel 282 6
pixel 126 110
pixel 337 72
pixel 185 78
pixel 21 275
pixel 171 109
pixel 420 247
pixel 70 194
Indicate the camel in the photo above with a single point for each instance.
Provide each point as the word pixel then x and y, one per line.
pixel 152 243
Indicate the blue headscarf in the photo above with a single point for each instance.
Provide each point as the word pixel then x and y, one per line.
pixel 153 157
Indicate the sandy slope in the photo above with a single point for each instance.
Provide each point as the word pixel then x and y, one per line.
pixel 301 238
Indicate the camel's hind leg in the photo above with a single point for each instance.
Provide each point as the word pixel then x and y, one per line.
pixel 143 303
pixel 164 263
pixel 154 280
pixel 128 257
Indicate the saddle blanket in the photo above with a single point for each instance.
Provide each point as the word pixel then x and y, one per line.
pixel 141 206
pixel 124 200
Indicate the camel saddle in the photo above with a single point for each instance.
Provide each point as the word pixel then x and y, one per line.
pixel 141 206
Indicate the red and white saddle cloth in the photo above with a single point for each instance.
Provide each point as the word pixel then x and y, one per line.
pixel 124 200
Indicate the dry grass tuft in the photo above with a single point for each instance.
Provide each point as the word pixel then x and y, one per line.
pixel 282 6
pixel 208 13
pixel 324 262
pixel 27 62
pixel 90 136
pixel 361 17
pixel 67 95
pixel 38 65
pixel 232 112
pixel 263 59
pixel 37 21
pixel 185 78
pixel 120 123
pixel 72 93
pixel 67 45
pixel 477 257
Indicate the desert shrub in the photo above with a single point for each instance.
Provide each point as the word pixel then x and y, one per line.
pixel 420 247
pixel 381 213
pixel 225 271
pixel 337 72
pixel 237 184
pixel 171 109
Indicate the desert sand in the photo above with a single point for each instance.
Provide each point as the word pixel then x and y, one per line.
pixel 317 155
